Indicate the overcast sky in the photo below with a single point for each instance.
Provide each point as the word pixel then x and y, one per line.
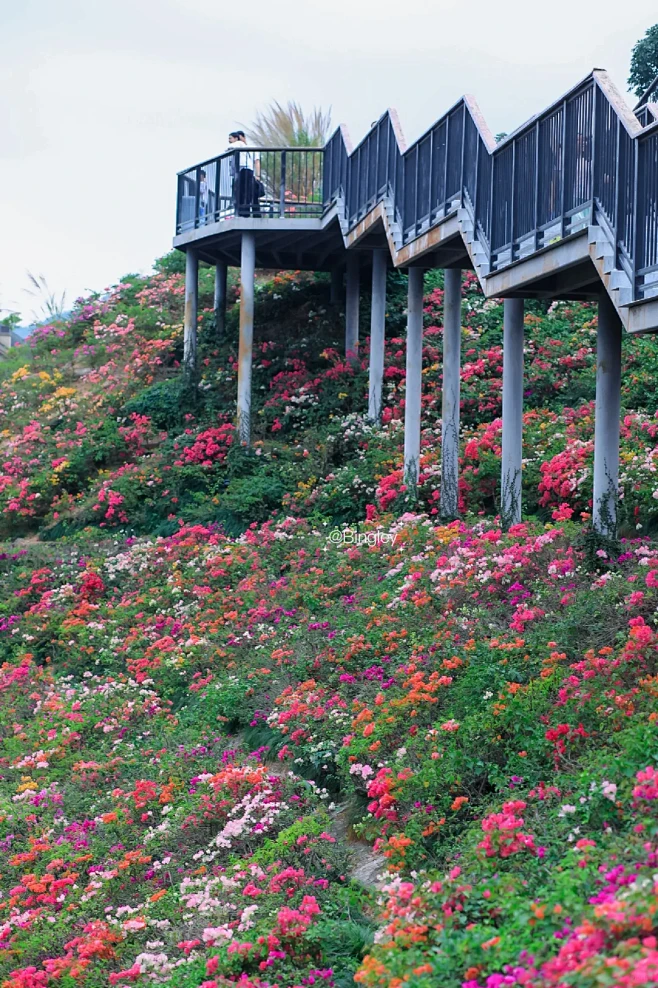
pixel 103 101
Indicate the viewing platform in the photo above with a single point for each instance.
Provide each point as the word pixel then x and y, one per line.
pixel 565 207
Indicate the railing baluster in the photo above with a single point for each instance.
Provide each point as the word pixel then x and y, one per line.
pixel 282 186
pixel 595 151
pixel 511 201
pixel 431 179
pixel 461 174
pixel 476 183
pixel 446 145
pixel 417 150
pixel 635 224
pixel 537 160
pixel 619 175
pixel 490 205
pixel 197 174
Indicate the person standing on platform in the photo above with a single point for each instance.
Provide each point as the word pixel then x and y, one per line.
pixel 246 175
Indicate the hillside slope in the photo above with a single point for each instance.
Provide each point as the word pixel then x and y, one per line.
pixel 215 704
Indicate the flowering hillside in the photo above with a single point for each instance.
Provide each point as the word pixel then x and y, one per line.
pixel 243 744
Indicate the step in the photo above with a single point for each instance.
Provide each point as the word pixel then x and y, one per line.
pixel 608 263
pixel 594 234
pixel 603 248
pixel 624 296
pixel 619 279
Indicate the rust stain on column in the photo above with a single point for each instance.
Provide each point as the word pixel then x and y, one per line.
pixel 247 270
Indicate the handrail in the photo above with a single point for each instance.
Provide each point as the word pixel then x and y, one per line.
pixel 248 181
pixel 586 160
pixel 245 147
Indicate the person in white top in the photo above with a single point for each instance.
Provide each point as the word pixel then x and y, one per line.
pixel 245 170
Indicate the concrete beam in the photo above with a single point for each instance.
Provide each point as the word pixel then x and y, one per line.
pixel 191 310
pixel 221 276
pixel 248 225
pixel 247 270
pixel 545 262
pixel 642 317
pixel 512 459
pixel 352 304
pixel 414 377
pixel 452 332
pixel 377 335
pixel 606 422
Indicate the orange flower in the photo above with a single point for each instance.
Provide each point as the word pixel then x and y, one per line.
pixel 459 802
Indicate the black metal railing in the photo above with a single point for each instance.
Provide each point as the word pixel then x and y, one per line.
pixel 580 162
pixel 584 160
pixel 646 109
pixel 257 182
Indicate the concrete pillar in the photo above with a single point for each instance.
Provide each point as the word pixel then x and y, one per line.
pixel 452 333
pixel 606 422
pixel 247 270
pixel 377 332
pixel 221 273
pixel 510 495
pixel 191 310
pixel 352 304
pixel 336 290
pixel 414 378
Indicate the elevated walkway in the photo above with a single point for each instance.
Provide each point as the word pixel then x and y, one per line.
pixel 566 207
pixel 562 208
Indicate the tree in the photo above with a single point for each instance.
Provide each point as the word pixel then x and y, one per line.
pixel 10 322
pixel 288 126
pixel 171 263
pixel 644 62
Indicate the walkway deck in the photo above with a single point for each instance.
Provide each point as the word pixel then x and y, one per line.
pixel 566 207
pixel 565 204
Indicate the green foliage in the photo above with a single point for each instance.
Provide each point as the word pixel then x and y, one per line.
pixel 171 263
pixel 166 402
pixel 644 62
pixel 289 126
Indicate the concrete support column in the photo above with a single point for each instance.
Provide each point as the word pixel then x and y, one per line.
pixel 377 333
pixel 606 423
pixel 191 310
pixel 414 379
pixel 221 273
pixel 336 290
pixel 510 495
pixel 452 332
pixel 352 304
pixel 247 270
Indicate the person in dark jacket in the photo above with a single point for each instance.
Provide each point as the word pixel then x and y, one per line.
pixel 245 167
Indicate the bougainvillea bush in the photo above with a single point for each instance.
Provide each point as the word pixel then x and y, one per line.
pixel 265 720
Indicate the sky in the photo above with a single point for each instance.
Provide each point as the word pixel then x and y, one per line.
pixel 104 101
